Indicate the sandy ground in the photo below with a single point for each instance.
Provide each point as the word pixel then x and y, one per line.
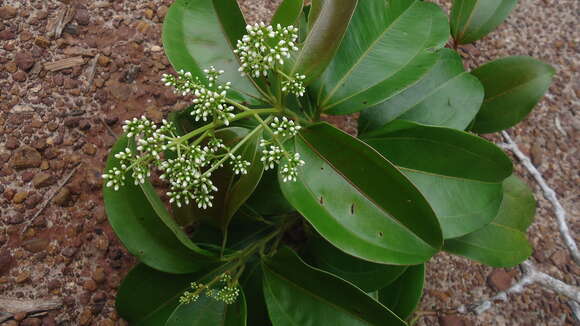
pixel 52 121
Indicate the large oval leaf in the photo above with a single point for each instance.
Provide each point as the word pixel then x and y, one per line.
pixel 234 190
pixel 365 275
pixel 360 202
pixel 198 34
pixel 460 174
pixel 447 96
pixel 324 37
pixel 297 294
pixel 268 199
pixel 147 297
pixel 288 13
pixel 513 86
pixel 388 47
pixel 503 242
pixel 473 19
pixel 403 295
pixel 207 311
pixel 142 231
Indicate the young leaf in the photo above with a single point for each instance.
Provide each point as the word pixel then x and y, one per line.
pixel 198 34
pixel 503 242
pixel 141 230
pixel 288 13
pixel 513 86
pixel 403 295
pixel 460 174
pixel 297 294
pixel 324 37
pixel 447 96
pixel 147 297
pixel 473 19
pixel 234 190
pixel 359 201
pixel 365 275
pixel 207 311
pixel 388 47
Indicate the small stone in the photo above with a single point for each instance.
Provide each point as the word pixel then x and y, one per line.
pixel 156 48
pixel 19 76
pixel 89 149
pixel 62 197
pixel 22 277
pixel 8 12
pixel 11 67
pixel 20 197
pixel 5 262
pixel 24 61
pixel 149 13
pixel 32 201
pixel 26 157
pixel 142 26
pixel 6 35
pixel 162 11
pixel 31 322
pixel 84 125
pixel 16 219
pixel 11 142
pixel 99 275
pixel 451 320
pixel 43 179
pixel 559 258
pixel 71 122
pixel 69 252
pixel 36 245
pixel 83 17
pixel 19 316
pixel 537 154
pixel 90 285
pixel 85 317
pixel 42 42
pixel 103 60
pixel 499 280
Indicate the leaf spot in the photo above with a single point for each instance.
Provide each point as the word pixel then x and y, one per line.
pixel 352 209
pixel 381 234
pixel 321 200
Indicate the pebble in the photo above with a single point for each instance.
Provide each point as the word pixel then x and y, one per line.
pixel 85 317
pixel 19 76
pixel 32 201
pixel 11 67
pixel 24 61
pixel 43 179
pixel 8 12
pixel 26 157
pixel 559 258
pixel 89 149
pixel 6 35
pixel 31 322
pixel 499 280
pixel 90 285
pixel 5 262
pixel 162 11
pixel 22 277
pixel 83 17
pixel 42 42
pixel 36 245
pixel 11 142
pixel 452 320
pixel 19 316
pixel 20 197
pixel 69 252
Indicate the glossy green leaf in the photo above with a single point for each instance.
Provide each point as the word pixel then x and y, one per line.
pixel 234 190
pixel 388 47
pixel 297 294
pixel 315 9
pixel 473 19
pixel 403 295
pixel 518 207
pixel 198 34
pixel 252 283
pixel 460 174
pixel 268 199
pixel 513 86
pixel 207 311
pixel 365 275
pixel 288 13
pixel 142 231
pixel 503 242
pixel 147 297
pixel 359 201
pixel 324 37
pixel 447 96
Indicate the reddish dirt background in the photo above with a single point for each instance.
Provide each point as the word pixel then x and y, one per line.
pixel 59 123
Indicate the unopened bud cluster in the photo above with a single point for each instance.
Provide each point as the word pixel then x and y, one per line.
pixel 227 291
pixel 273 153
pixel 210 102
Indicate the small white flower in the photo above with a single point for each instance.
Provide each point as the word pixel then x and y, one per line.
pixel 284 127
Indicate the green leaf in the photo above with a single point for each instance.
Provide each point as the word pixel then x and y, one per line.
pixel 147 297
pixel 518 207
pixel 252 283
pixel 297 294
pixel 388 47
pixel 460 174
pixel 140 229
pixel 288 13
pixel 473 19
pixel 198 34
pixel 324 37
pixel 207 311
pixel 503 242
pixel 513 86
pixel 365 275
pixel 315 10
pixel 447 96
pixel 234 190
pixel 359 201
pixel 403 295
pixel 268 199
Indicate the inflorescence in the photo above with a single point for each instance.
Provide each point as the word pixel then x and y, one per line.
pixel 188 170
pixel 227 291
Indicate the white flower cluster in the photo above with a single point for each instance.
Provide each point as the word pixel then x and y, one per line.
pixel 289 171
pixel 227 293
pixel 210 101
pixel 264 47
pixel 271 154
pixel 284 127
pixel 295 85
pixel 239 166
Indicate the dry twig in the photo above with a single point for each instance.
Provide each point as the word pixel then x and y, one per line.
pixel 11 306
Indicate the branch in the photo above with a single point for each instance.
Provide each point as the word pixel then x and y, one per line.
pixel 11 306
pixel 549 194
